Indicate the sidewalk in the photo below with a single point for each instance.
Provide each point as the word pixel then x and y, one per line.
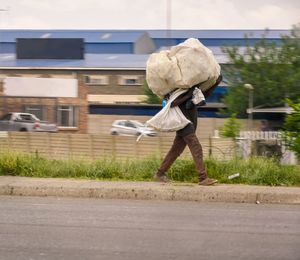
pixel 24 186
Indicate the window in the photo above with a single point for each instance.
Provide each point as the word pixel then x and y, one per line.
pixel 39 111
pixel 129 80
pixel 67 116
pixel 96 80
pixel 129 124
pixel 121 123
pixel 26 117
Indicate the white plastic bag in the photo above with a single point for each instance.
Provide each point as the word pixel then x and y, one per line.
pixel 169 119
pixel 184 66
pixel 198 96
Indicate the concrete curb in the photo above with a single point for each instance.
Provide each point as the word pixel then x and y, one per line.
pixel 24 186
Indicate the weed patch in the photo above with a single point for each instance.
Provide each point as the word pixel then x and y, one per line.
pixel 255 170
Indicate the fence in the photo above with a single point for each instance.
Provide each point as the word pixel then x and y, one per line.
pixel 90 146
pixel 260 135
pixel 247 139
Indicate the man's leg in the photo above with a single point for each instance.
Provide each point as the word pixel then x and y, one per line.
pixel 176 149
pixel 197 153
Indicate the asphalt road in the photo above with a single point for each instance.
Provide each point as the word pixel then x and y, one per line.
pixel 53 228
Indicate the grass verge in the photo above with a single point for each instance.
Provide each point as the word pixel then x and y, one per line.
pixel 255 170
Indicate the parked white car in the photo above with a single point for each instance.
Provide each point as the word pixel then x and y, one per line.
pixel 25 122
pixel 131 127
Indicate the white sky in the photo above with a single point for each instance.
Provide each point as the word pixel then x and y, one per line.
pixel 149 14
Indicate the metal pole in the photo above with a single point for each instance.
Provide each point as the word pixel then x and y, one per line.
pixel 251 109
pixel 169 20
pixel 250 88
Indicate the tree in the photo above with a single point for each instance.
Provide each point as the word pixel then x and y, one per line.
pixel 151 98
pixel 291 131
pixel 231 127
pixel 272 69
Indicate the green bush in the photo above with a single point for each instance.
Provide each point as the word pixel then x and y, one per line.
pixel 151 98
pixel 231 127
pixel 291 133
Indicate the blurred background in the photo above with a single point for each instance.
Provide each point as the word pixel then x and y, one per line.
pixel 80 67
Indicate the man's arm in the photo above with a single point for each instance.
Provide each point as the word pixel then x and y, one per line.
pixel 183 97
pixel 188 95
pixel 208 92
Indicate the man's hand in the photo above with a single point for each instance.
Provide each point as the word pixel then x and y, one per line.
pixel 189 105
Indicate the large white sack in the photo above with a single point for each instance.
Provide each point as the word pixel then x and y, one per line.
pixel 183 66
pixel 162 73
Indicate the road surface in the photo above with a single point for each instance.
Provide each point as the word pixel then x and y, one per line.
pixel 68 228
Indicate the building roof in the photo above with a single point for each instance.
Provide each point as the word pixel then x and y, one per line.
pixel 217 34
pixel 89 36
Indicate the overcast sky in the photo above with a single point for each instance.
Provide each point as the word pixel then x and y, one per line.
pixel 149 14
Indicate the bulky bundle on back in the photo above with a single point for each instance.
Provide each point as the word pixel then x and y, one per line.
pixel 183 66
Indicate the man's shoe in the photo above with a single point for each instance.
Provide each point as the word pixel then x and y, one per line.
pixel 207 182
pixel 161 178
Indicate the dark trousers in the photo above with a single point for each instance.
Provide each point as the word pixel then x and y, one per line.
pixel 180 142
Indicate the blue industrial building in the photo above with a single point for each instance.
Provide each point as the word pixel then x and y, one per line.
pixel 139 41
pixel 123 49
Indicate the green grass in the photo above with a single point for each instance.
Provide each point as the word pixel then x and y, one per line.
pixel 256 170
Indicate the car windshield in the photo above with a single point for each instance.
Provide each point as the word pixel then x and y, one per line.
pixel 139 124
pixel 28 117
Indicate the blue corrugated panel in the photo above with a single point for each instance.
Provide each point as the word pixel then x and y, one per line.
pixel 161 42
pixel 90 61
pixel 144 110
pixel 7 47
pixel 218 94
pixel 106 48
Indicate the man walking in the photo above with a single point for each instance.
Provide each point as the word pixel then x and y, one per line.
pixel 187 137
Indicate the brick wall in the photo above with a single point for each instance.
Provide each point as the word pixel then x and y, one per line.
pixel 16 104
